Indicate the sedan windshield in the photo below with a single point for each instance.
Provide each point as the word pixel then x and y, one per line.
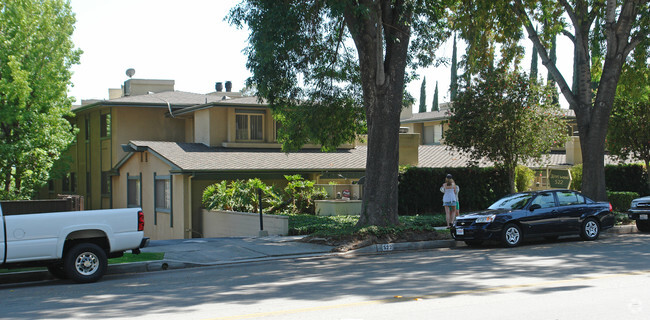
pixel 512 202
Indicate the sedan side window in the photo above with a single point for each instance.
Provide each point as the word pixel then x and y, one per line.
pixel 545 200
pixel 568 198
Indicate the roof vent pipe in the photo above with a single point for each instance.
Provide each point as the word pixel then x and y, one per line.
pixel 228 86
pixel 218 86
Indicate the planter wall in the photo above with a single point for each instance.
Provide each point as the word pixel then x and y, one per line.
pixel 241 224
pixel 338 207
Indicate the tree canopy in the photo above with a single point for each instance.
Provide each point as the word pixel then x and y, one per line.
pixel 516 118
pixel 619 26
pixel 628 136
pixel 333 69
pixel 36 53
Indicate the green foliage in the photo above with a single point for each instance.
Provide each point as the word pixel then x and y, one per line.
pixel 36 53
pixel 621 200
pixel 238 195
pixel 302 194
pixel 242 196
pixel 435 105
pixel 329 68
pixel 576 176
pixel 506 118
pixel 333 226
pixel 524 178
pixel 423 96
pixel 419 188
pixel 628 136
pixel 627 177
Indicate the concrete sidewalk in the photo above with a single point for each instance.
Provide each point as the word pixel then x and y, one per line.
pixel 190 253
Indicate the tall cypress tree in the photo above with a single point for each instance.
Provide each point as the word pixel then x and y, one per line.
pixel 423 96
pixel 533 65
pixel 549 77
pixel 453 87
pixel 434 105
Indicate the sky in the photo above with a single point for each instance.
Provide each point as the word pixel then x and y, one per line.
pixel 189 42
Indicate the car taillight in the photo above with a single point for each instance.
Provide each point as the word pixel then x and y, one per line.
pixel 140 221
pixel 610 207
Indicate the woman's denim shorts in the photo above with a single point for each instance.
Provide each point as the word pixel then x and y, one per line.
pixel 449 204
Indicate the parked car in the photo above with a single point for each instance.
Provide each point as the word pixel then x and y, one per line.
pixel 547 213
pixel 639 211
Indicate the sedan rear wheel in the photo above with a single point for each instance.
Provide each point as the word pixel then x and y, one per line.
pixel 643 226
pixel 590 230
pixel 511 236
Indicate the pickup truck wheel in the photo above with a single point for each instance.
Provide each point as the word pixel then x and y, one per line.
pixel 85 262
pixel 643 226
pixel 57 271
pixel 590 230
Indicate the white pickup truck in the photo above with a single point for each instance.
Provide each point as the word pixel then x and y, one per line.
pixel 71 244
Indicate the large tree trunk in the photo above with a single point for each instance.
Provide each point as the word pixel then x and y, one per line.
pixel 382 55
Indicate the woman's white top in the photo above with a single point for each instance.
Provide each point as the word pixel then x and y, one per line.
pixel 449 192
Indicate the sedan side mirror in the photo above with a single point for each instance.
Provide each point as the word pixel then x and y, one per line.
pixel 534 207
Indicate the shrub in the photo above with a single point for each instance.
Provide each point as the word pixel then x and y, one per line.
pixel 576 177
pixel 626 177
pixel 238 195
pixel 419 188
pixel 333 226
pixel 621 200
pixel 242 196
pixel 524 178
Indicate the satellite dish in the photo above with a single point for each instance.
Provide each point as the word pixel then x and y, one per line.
pixel 130 72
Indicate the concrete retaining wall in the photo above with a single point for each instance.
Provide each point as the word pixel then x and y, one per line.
pixel 241 224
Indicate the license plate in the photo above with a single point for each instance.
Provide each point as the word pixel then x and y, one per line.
pixel 460 231
pixel 643 217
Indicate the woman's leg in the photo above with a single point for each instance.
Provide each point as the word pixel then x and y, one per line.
pixel 448 215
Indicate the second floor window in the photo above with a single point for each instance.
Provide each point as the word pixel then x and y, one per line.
pixel 249 127
pixel 105 125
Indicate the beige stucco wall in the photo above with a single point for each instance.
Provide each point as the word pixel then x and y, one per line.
pixel 159 226
pixel 128 125
pixel 242 224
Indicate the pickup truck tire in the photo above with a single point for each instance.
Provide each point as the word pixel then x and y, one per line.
pixel 57 271
pixel 85 263
pixel 643 226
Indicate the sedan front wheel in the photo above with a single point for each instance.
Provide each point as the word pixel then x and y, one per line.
pixel 511 235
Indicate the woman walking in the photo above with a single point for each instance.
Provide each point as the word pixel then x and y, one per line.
pixel 450 198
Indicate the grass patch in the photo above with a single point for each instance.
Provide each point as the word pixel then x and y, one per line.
pixel 336 226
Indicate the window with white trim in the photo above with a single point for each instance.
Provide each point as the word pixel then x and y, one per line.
pixel 133 191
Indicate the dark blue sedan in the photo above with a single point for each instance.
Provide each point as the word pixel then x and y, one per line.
pixel 547 214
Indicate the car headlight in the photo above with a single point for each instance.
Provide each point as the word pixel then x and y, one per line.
pixel 486 219
pixel 634 204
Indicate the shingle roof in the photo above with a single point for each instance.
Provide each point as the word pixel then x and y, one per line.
pixel 198 157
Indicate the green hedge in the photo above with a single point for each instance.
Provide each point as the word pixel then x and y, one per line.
pixel 626 177
pixel 419 188
pixel 621 200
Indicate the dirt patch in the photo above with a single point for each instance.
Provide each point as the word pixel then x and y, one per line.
pixel 351 242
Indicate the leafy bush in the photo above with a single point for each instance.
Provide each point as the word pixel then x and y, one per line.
pixel 238 195
pixel 242 196
pixel 302 194
pixel 576 177
pixel 419 188
pixel 621 200
pixel 333 226
pixel 626 177
pixel 524 178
